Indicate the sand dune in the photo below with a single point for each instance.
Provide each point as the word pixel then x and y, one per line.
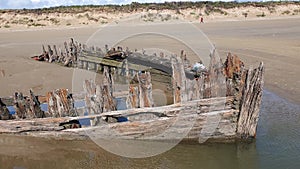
pixel 96 16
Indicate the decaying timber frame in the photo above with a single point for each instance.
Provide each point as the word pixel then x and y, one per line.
pixel 226 95
pixel 27 107
pixel 60 103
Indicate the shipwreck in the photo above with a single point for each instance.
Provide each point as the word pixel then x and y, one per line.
pixel 218 104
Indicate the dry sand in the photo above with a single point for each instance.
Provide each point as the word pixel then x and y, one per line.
pixel 275 42
pixel 18 19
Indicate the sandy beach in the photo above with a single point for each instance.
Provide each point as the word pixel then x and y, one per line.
pixel 275 42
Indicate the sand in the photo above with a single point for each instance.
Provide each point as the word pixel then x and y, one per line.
pixel 69 17
pixel 275 42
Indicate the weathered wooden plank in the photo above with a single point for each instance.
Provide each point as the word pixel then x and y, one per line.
pixel 99 98
pixel 113 63
pixel 179 81
pixel 211 104
pixel 250 103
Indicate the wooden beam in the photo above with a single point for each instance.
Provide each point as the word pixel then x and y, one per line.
pixel 250 103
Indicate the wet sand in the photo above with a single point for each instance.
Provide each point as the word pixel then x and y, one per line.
pixel 275 42
pixel 22 73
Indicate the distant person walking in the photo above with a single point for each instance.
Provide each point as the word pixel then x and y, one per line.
pixel 201 20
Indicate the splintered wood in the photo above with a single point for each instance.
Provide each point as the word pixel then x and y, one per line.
pixel 140 95
pixel 179 81
pixel 228 79
pixel 4 112
pixel 60 103
pixel 226 92
pixel 27 107
pixel 67 56
pixel 207 84
pixel 250 102
pixel 99 97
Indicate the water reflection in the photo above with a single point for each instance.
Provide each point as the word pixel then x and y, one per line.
pixel 25 152
pixel 278 134
pixel 276 147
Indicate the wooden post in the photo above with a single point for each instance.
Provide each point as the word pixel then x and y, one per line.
pixel 44 50
pixel 60 103
pixel 61 55
pixel 50 53
pixel 80 64
pixel 4 112
pixel 140 95
pixel 90 94
pixel 145 90
pixel 20 105
pixel 87 65
pixel 99 98
pixel 35 106
pixel 66 47
pixel 108 101
pixel 27 107
pixel 179 81
pixel 216 76
pixel 126 69
pixel 235 78
pixel 95 67
pixel 84 65
pixel 132 100
pixel 250 102
pixel 108 79
pixel 52 105
pixel 55 53
pixel 98 68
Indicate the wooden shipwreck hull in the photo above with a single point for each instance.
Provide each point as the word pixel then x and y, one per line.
pixel 220 104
